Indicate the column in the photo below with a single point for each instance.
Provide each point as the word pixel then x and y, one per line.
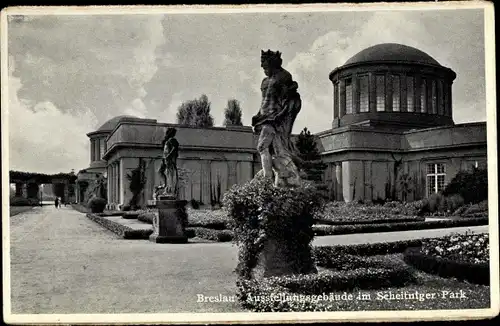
pixel 108 183
pixel 338 177
pixel 355 94
pixel 341 98
pixel 24 190
pixel 113 183
pixel 372 93
pixel 352 180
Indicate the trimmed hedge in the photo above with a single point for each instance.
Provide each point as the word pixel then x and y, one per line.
pixel 374 221
pixel 146 217
pixel 389 227
pixel 367 273
pixel 324 254
pixel 120 229
pixel 372 277
pixel 464 271
pixel 214 235
pixel 21 201
pixel 80 208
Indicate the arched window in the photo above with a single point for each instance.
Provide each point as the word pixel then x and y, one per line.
pixel 434 98
pixel 348 96
pixel 380 90
pixel 363 94
pixel 396 92
pixel 440 96
pixel 410 93
pixel 102 143
pixel 423 96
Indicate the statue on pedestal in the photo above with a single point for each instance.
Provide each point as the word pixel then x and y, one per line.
pixel 168 169
pixel 274 122
pixel 169 225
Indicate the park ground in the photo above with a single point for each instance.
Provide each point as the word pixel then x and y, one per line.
pixel 62 262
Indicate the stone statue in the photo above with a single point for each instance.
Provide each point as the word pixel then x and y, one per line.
pixel 168 169
pixel 274 122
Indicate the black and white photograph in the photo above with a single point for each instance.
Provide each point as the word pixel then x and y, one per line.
pixel 271 163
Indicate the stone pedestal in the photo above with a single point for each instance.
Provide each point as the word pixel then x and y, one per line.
pixel 277 259
pixel 170 224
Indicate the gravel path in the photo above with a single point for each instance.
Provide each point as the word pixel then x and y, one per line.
pixel 62 262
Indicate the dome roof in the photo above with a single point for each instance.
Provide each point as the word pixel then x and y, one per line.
pixel 113 122
pixel 392 52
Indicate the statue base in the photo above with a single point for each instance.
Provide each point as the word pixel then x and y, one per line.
pixel 277 260
pixel 169 226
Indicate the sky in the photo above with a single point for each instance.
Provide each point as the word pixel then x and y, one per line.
pixel 70 74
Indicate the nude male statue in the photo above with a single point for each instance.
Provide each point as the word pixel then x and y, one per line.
pixel 274 122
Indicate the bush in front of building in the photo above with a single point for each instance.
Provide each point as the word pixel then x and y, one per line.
pixel 97 204
pixel 439 204
pixel 259 212
pixel 471 185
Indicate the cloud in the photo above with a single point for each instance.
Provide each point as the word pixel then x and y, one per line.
pixel 44 139
pixel 78 62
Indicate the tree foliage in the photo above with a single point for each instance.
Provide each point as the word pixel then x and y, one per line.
pixel 233 113
pixel 310 154
pixel 195 113
pixel 137 181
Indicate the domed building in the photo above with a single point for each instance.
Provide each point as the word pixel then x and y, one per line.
pixel 392 138
pixel 393 135
pixel 392 84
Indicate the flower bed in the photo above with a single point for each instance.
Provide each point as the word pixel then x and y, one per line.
pixel 350 273
pixel 465 257
pixel 348 213
pixel 471 248
pixel 389 227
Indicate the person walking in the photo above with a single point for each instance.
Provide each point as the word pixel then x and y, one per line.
pixel 56 202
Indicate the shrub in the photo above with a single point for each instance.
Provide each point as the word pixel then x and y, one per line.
pixel 195 204
pixel 214 235
pixel 474 273
pixel 146 217
pixel 323 254
pixel 471 185
pixel 20 201
pixel 259 211
pixel 97 204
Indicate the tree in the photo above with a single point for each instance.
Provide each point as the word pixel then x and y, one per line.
pixel 310 155
pixel 232 113
pixel 195 113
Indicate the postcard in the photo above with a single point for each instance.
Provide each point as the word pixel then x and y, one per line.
pixel 244 164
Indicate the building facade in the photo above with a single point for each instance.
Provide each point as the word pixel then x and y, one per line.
pixel 392 137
